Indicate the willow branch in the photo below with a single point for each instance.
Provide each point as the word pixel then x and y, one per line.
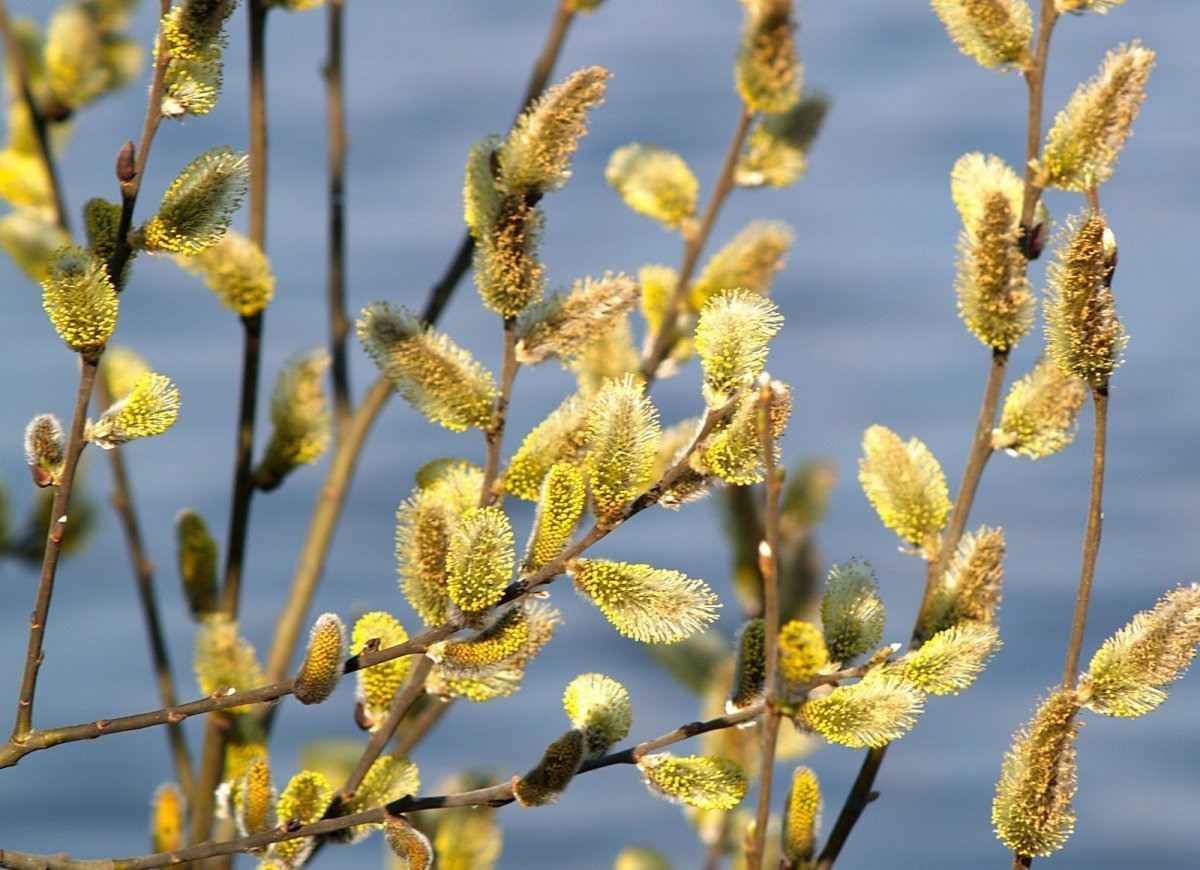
pixel 440 293
pixel 693 246
pixel 143 575
pixel 54 537
pixel 339 324
pixel 495 431
pixel 37 119
pixel 1035 79
pixel 768 563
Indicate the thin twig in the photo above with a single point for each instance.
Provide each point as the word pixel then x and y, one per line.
pixel 1035 79
pixel 440 293
pixel 54 536
pixel 143 575
pixel 37 119
pixel 339 324
pixel 495 431
pixel 768 564
pixel 693 246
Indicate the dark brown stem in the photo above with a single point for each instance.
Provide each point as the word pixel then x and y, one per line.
pixel 495 430
pixel 1091 538
pixel 768 563
pixel 441 292
pixel 143 575
pixel 860 795
pixel 339 324
pixel 54 536
pixel 37 119
pixel 693 246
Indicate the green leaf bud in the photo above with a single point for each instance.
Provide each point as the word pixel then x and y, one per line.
pixel 1032 810
pixel 150 408
pixel 600 708
pixel 1039 416
pixel 410 847
pixel 486 651
pixel 560 438
pixel 567 324
pixel 1127 674
pixel 196 208
pixel 950 661
pixel 237 270
pixel 654 181
pixel 994 299
pixel 776 151
pixel 545 783
pixel 651 605
pixel 536 156
pixel 749 261
pixel 479 561
pixel 44 449
pixel 300 415
pixel 872 712
pixel 81 301
pixel 623 436
pixel 378 684
pixel 732 338
pixel 705 783
pixel 304 800
pixel 441 380
pixel 750 666
pixel 905 485
pixel 768 74
pixel 1082 146
pixel 994 32
pixel 802 819
pixel 508 273
pixel 166 818
pixel 802 651
pixel 851 612
pixel 968 589
pixel 1083 332
pixel 322 667
pixel 197 558
pixel 224 660
pixel 564 492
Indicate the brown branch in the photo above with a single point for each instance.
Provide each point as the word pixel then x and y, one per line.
pixel 143 575
pixel 339 324
pixel 1035 79
pixel 693 246
pixel 37 118
pixel 440 293
pixel 495 431
pixel 54 536
pixel 768 563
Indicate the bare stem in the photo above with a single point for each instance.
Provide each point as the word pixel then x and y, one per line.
pixel 441 292
pixel 768 563
pixel 143 575
pixel 495 430
pixel 339 324
pixel 1091 538
pixel 693 246
pixel 1035 79
pixel 54 537
pixel 37 118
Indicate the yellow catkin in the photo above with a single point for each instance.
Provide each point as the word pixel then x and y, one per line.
pixel 254 801
pixel 81 301
pixel 905 485
pixel 564 492
pixel 192 29
pixel 732 338
pixel 485 651
pixel 749 260
pixel 1040 411
pixel 950 661
pixel 379 683
pixel 166 818
pixel 44 449
pixel 750 666
pixel 994 298
pixel 322 668
pixel 994 32
pixel 223 660
pixel 567 324
pixel 1032 810
pixel 300 417
pixel 651 605
pixel 235 269
pixel 733 452
pixel 705 783
pixel 968 590
pixel 305 800
pixel 623 434
pixel 801 819
pixel 561 437
pixel 768 74
pixel 802 651
pixel 653 181
pixel 121 367
pixel 868 713
pixel 508 273
pixel 776 151
pixel 150 408
pixel 389 778
pixel 479 561
pixel 197 559
pixel 191 87
pixel 197 207
pixel 410 847
pixel 600 708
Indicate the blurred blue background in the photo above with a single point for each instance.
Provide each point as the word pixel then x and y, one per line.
pixel 871 336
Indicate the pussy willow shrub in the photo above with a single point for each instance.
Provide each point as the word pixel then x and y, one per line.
pixel 814 659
